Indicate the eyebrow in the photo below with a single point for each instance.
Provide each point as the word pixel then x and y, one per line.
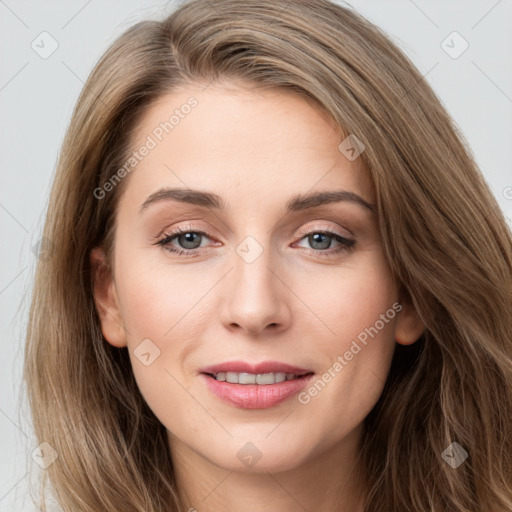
pixel 214 201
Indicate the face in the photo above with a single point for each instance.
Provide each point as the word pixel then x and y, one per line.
pixel 253 272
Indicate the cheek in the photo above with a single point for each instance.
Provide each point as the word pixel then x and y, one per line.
pixel 163 312
pixel 356 312
pixel 348 298
pixel 157 300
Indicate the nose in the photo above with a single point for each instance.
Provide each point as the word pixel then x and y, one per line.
pixel 256 298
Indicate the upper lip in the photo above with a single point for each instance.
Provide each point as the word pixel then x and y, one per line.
pixel 263 367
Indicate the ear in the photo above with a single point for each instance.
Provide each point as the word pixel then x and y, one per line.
pixel 105 299
pixel 409 326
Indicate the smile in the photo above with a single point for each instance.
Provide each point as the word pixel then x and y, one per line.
pixel 254 378
pixel 253 395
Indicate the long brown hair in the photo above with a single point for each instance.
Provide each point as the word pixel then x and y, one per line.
pixel 446 240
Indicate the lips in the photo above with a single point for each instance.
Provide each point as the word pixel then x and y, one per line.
pixel 259 395
pixel 263 367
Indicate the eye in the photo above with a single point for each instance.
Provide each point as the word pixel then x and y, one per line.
pixel 322 240
pixel 190 241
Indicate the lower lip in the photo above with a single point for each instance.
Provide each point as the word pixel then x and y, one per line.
pixel 255 396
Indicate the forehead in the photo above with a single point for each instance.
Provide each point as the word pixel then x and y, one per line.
pixel 234 139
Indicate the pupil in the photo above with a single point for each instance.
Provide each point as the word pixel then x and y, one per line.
pixel 317 238
pixel 189 239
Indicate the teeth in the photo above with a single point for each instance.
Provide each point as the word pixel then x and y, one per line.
pixel 251 378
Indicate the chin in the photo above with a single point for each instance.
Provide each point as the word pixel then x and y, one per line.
pixel 254 456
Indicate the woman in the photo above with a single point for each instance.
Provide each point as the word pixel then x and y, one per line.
pixel 340 336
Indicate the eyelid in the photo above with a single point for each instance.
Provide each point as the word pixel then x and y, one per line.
pixel 188 225
pixel 346 244
pixel 176 232
pixel 320 228
pixel 302 232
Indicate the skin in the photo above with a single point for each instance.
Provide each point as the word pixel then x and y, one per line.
pixel 256 149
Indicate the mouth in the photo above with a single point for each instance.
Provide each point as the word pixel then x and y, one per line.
pixel 255 385
pixel 262 379
pixel 254 373
pixel 245 390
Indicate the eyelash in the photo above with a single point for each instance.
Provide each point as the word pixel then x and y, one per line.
pixel 346 243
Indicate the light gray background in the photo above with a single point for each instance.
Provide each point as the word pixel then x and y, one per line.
pixel 37 96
